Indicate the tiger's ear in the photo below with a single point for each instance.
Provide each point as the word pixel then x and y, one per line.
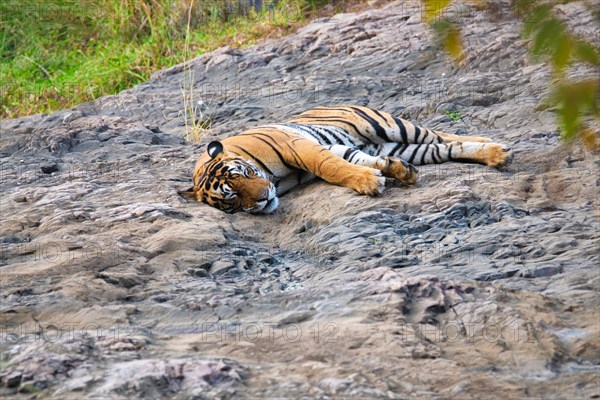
pixel 214 149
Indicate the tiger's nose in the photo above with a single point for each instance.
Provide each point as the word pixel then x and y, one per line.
pixel 264 195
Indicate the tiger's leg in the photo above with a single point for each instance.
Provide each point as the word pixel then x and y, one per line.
pixel 288 151
pixel 448 137
pixel 491 154
pixel 405 132
pixel 402 131
pixel 378 127
pixel 390 167
pixel 316 159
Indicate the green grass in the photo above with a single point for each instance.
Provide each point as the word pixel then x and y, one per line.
pixel 453 115
pixel 55 54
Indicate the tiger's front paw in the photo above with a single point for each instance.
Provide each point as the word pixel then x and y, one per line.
pixel 400 170
pixel 369 182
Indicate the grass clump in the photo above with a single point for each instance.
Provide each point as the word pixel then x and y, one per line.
pixel 55 54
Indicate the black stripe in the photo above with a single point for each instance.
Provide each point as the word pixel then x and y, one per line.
pixel 379 114
pixel 347 153
pixel 338 108
pixel 366 149
pixel 323 139
pixel 312 131
pixel 288 134
pixel 276 152
pixel 396 147
pixel 268 137
pixel 433 155
pixel 297 157
pixel 209 171
pixel 326 117
pixel 404 147
pixel 427 135
pixel 450 158
pixel 439 156
pixel 303 128
pixel 336 119
pixel 417 133
pixel 424 154
pixel 379 131
pixel 414 154
pixel 256 160
pixel 353 127
pixel 439 138
pixel 402 129
pixel 355 152
pixel 335 135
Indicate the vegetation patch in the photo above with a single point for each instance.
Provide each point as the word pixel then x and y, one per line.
pixel 55 54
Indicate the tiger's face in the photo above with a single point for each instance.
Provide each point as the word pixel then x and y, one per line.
pixel 231 184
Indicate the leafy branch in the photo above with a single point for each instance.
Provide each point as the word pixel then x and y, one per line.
pixel 575 101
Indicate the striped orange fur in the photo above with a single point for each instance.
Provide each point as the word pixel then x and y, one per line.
pixel 351 146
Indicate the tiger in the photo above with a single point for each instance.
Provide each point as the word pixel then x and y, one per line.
pixel 346 145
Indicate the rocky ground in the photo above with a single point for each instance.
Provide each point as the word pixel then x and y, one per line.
pixel 475 283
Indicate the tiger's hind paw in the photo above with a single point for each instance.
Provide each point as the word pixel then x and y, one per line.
pixel 497 155
pixel 400 170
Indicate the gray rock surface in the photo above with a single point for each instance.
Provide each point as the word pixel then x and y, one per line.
pixel 473 283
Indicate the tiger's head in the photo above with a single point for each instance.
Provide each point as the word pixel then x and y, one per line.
pixel 231 184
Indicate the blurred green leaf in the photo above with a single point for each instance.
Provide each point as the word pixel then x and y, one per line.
pixel 568 116
pixel 535 18
pixel 575 100
pixel 550 32
pixel 585 52
pixel 453 44
pixel 561 53
pixel 449 35
pixel 433 8
pixel 524 7
pixel 441 25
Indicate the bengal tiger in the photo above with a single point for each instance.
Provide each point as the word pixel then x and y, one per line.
pixel 352 146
